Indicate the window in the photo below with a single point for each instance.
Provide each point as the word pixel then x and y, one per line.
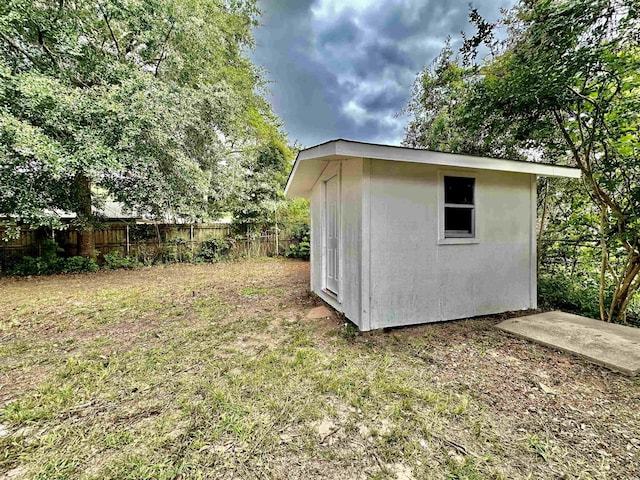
pixel 459 208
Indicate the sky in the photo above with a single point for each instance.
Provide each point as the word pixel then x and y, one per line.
pixel 344 68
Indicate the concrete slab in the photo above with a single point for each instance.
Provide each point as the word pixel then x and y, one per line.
pixel 614 346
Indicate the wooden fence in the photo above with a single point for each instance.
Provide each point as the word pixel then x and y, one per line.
pixel 148 242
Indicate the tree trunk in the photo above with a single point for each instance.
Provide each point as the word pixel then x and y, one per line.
pixel 86 238
pixel 625 290
pixel 543 217
pixel 604 261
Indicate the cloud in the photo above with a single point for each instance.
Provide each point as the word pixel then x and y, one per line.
pixel 384 100
pixel 343 31
pixel 345 69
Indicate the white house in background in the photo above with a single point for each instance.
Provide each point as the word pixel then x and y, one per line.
pixel 401 236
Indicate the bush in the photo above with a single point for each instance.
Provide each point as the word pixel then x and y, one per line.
pixel 147 255
pixel 114 260
pixel 177 250
pixel 169 254
pixel 579 295
pixel 28 266
pixel 79 264
pixel 215 249
pixel 49 262
pixel 299 250
pixel 300 246
pixel 186 255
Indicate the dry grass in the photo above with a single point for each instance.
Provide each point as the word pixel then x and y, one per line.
pixel 213 371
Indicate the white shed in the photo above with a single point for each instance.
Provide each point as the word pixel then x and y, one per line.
pixel 402 236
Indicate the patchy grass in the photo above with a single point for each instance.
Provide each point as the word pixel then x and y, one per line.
pixel 214 371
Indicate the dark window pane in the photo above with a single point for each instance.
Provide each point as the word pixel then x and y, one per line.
pixel 458 221
pixel 458 190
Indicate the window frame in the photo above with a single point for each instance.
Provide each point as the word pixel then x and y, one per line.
pixel 460 238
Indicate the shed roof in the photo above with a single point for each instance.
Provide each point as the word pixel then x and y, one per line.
pixel 312 161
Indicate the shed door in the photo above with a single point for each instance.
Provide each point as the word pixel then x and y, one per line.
pixel 332 233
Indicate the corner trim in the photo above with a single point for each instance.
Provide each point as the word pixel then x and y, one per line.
pixel 365 253
pixel 533 245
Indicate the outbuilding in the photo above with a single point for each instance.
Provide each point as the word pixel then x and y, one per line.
pixel 403 236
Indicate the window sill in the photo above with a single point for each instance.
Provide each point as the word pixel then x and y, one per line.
pixel 458 241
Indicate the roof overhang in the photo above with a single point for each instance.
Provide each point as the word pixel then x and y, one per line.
pixel 310 163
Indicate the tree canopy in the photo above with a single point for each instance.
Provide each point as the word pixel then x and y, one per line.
pixel 147 101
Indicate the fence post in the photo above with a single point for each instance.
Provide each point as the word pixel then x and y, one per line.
pixel 128 243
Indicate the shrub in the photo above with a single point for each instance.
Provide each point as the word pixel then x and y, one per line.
pixel 185 255
pixel 215 249
pixel 170 254
pixel 48 261
pixel 146 254
pixel 300 246
pixel 79 264
pixel 28 266
pixel 299 250
pixel 114 260
pixel 177 250
pixel 579 294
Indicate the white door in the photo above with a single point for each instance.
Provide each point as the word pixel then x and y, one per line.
pixel 332 233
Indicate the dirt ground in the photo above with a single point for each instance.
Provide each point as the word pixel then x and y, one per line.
pixel 214 371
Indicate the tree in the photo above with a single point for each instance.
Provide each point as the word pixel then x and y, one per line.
pixel 434 105
pixel 145 101
pixel 255 202
pixel 565 84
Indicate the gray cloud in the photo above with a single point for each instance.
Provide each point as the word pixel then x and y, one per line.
pixel 343 31
pixel 377 56
pixel 384 101
pixel 347 71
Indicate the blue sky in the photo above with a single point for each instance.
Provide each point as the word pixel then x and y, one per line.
pixel 344 69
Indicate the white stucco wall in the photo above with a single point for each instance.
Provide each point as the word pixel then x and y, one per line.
pixel 416 279
pixel 351 238
pixel 395 269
